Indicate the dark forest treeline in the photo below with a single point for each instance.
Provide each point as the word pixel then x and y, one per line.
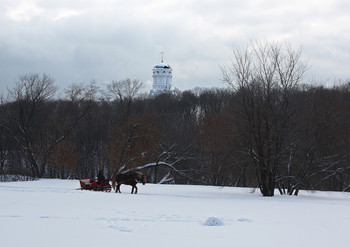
pixel 267 130
pixel 193 137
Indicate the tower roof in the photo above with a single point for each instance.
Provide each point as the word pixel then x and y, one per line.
pixel 162 65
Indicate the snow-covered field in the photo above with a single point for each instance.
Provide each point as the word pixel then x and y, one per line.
pixel 53 213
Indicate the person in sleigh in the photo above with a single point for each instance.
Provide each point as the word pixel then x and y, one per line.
pixel 100 177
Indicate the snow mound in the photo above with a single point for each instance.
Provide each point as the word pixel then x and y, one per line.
pixel 212 221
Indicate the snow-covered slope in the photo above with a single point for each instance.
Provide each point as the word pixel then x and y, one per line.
pixel 53 213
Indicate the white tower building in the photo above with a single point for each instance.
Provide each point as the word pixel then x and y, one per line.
pixel 162 78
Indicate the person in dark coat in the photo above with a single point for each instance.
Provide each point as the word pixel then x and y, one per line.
pixel 100 176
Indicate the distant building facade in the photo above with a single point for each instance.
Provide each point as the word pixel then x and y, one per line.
pixel 162 78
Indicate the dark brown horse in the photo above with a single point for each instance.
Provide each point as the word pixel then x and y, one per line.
pixel 130 178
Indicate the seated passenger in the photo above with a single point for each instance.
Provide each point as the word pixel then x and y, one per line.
pixel 100 177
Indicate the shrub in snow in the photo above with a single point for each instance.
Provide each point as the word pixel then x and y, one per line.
pixel 15 178
pixel 212 221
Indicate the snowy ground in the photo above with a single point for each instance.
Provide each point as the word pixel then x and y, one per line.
pixel 53 213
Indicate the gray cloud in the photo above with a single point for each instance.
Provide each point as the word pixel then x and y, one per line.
pixel 77 41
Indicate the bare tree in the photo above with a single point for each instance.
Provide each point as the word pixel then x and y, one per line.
pixel 131 144
pixel 79 92
pixel 264 75
pixel 319 157
pixel 124 89
pixel 169 159
pixel 124 92
pixel 29 96
pixel 37 124
pixel 3 147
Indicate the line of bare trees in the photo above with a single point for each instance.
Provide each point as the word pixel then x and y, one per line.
pixel 267 130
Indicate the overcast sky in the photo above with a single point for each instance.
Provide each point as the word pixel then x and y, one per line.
pixel 105 40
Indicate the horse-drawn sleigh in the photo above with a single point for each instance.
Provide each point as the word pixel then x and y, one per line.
pixel 90 184
pixel 128 178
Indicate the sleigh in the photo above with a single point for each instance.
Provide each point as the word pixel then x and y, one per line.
pixel 89 184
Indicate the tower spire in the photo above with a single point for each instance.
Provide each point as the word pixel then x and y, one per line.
pixel 162 56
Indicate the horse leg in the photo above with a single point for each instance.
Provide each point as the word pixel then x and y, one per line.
pixel 118 188
pixel 132 190
pixel 135 189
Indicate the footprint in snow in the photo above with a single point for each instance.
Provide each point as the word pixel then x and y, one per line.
pixel 120 228
pixel 244 220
